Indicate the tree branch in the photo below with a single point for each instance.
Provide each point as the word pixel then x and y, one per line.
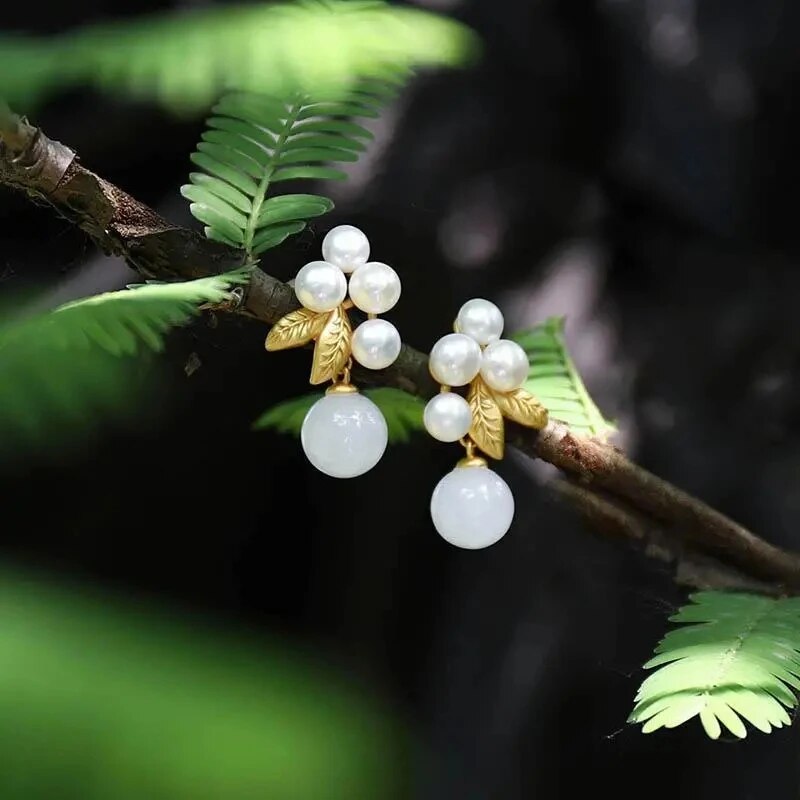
pixel 612 493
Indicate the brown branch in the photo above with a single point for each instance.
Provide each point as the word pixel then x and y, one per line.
pixel 616 520
pixel 611 492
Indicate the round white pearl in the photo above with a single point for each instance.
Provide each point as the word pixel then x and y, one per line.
pixel 376 344
pixel 320 286
pixel 346 247
pixel 472 507
pixel 447 417
pixel 375 287
pixel 480 319
pixel 505 365
pixel 344 435
pixel 455 359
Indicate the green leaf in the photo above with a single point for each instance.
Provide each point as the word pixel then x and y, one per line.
pixel 209 185
pixel 257 136
pixel 273 235
pixel 225 172
pixel 312 173
pixel 402 411
pixel 106 699
pixel 333 126
pixel 184 60
pixel 284 208
pixel 310 155
pixel 735 660
pixel 554 379
pixel 337 110
pixel 62 368
pixel 322 141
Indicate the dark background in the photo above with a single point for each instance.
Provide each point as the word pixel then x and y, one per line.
pixel 629 163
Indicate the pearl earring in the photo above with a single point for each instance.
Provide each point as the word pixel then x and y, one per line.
pixel 472 506
pixel 344 433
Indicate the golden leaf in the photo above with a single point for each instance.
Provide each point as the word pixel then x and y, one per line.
pixel 333 347
pixel 295 329
pixel 487 421
pixel 522 407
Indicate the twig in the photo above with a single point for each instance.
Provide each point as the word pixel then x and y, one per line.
pixel 613 493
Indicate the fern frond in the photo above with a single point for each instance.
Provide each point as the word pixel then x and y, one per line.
pixel 738 658
pixel 254 141
pixel 554 379
pixel 402 411
pixel 62 367
pixel 121 322
pixel 185 60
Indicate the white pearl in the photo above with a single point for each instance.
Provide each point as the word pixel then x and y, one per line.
pixel 480 319
pixel 320 286
pixel 455 359
pixel 346 247
pixel 472 507
pixel 447 417
pixel 344 435
pixel 375 287
pixel 376 344
pixel 505 365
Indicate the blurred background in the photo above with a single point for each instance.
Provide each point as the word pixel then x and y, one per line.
pixel 627 163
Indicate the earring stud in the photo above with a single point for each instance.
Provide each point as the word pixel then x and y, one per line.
pixel 344 434
pixel 472 506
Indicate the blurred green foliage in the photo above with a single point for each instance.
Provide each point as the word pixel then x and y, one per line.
pixel 102 700
pixel 402 411
pixel 185 60
pixel 62 368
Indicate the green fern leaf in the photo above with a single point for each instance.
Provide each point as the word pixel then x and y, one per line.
pixel 153 307
pixel 185 60
pixel 62 367
pixel 402 411
pixel 554 379
pixel 736 658
pixel 254 141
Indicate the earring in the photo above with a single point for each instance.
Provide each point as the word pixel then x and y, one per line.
pixel 472 506
pixel 344 433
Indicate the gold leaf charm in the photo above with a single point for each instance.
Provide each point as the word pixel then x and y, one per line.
pixel 487 420
pixel 522 407
pixel 333 347
pixel 295 329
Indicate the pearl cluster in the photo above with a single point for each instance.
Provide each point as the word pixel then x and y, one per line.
pixel 472 507
pixel 344 434
pixel 457 359
pixel 374 288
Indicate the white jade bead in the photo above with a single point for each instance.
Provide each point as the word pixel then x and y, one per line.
pixel 447 417
pixel 346 247
pixel 480 319
pixel 472 507
pixel 344 435
pixel 504 366
pixel 375 287
pixel 455 359
pixel 320 286
pixel 376 344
